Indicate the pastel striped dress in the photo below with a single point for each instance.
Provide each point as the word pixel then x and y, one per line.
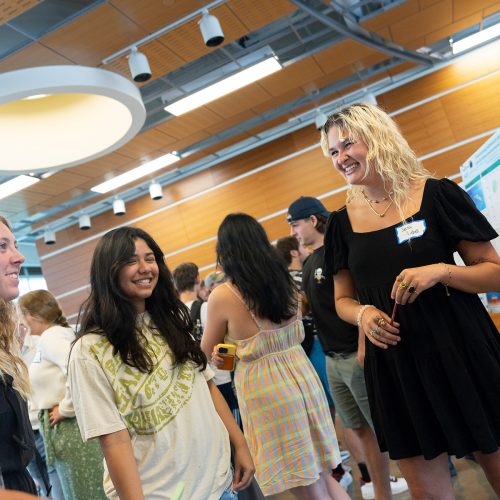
pixel 283 408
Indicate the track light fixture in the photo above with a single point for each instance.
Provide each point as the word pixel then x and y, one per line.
pixel 320 120
pixel 84 222
pixel 139 66
pixel 119 207
pixel 210 30
pixel 155 191
pixel 369 98
pixel 49 236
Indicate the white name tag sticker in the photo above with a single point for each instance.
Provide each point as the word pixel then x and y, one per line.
pixel 415 229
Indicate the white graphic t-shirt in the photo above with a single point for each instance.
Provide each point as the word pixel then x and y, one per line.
pixel 175 430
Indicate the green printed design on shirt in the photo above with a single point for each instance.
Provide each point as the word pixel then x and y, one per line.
pixel 147 401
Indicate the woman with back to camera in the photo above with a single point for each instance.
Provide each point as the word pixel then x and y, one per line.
pixel 432 360
pixel 78 464
pixel 283 406
pixel 17 442
pixel 142 386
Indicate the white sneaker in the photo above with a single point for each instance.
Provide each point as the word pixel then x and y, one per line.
pixel 346 480
pixel 367 491
pixel 398 485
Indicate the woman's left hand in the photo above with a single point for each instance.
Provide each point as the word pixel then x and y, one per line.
pixel 216 358
pixel 55 416
pixel 244 468
pixel 413 281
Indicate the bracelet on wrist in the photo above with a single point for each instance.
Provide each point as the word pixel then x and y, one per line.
pixel 448 281
pixel 361 311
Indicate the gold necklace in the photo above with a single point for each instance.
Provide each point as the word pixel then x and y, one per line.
pixel 377 201
pixel 369 203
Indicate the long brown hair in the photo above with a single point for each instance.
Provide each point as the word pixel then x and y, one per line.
pixel 108 311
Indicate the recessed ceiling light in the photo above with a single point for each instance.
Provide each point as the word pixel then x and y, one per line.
pixel 476 39
pixel 16 184
pixel 135 173
pixel 224 87
pixel 84 113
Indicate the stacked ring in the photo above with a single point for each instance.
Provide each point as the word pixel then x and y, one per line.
pixel 403 285
pixel 373 332
pixel 412 289
pixel 381 322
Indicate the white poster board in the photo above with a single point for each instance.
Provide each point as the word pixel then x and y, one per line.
pixel 481 180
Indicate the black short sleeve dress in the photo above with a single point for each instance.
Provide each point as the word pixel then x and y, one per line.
pixel 438 390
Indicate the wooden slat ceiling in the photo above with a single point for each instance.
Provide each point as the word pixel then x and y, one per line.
pixel 11 8
pixel 113 25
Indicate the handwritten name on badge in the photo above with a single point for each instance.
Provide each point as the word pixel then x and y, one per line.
pixel 409 231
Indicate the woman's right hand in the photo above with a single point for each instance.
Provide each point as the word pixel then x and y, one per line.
pixel 377 328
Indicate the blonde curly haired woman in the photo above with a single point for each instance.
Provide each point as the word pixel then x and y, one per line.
pixel 16 437
pixel 432 351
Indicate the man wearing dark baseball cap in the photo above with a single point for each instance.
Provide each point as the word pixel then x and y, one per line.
pixel 304 207
pixel 308 217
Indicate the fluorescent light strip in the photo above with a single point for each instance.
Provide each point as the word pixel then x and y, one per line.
pixel 476 39
pixel 16 184
pixel 224 87
pixel 136 173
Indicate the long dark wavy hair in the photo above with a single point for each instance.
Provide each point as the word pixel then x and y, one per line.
pixel 255 268
pixel 109 312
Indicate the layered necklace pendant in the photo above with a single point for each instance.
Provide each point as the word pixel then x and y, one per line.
pixel 369 203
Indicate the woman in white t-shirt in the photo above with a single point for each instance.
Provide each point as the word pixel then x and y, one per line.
pixel 78 464
pixel 141 383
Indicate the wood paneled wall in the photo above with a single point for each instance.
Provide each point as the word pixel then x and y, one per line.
pixel 465 102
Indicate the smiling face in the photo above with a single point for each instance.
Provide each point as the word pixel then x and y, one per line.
pixel 10 264
pixel 139 276
pixel 348 156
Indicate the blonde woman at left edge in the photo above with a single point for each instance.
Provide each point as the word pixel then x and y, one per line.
pixel 17 443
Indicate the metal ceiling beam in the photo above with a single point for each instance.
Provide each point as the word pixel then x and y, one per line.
pixel 339 21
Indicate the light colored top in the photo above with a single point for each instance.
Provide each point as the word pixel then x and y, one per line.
pixel 175 430
pixel 28 351
pixel 49 369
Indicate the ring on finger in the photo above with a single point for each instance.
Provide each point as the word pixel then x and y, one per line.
pixel 412 289
pixel 399 278
pixel 380 321
pixel 373 332
pixel 403 285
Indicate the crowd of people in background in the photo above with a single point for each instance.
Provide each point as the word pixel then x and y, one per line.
pixel 359 318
